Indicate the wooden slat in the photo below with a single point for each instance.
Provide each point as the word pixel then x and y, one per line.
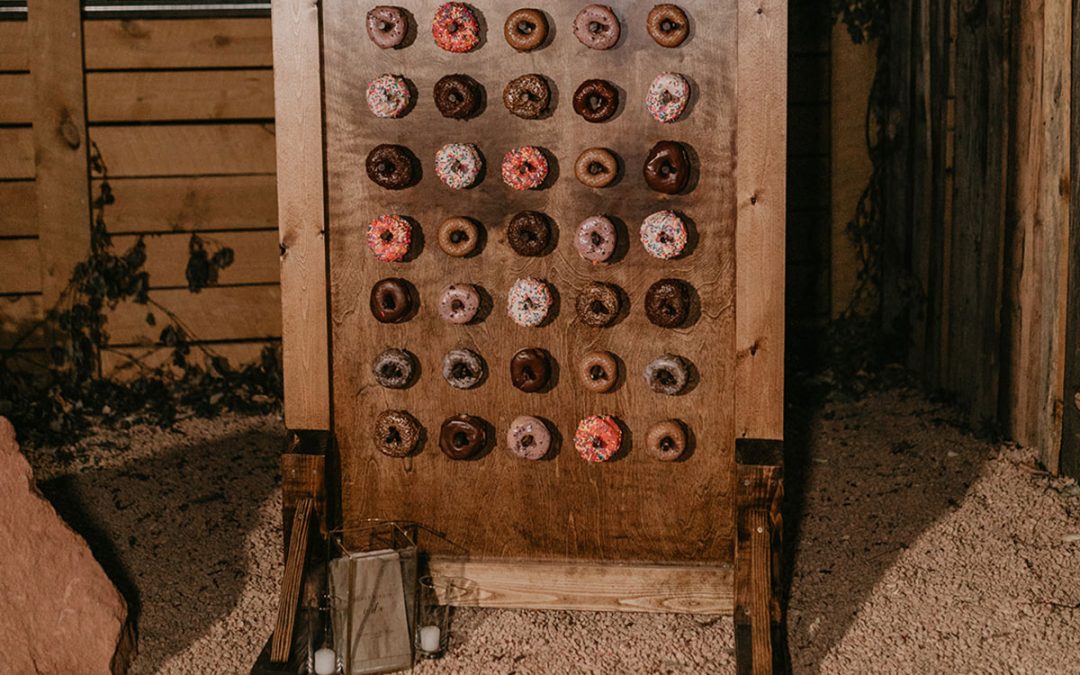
pixel 228 313
pixel 178 95
pixel 1069 462
pixel 759 241
pixel 191 204
pixel 186 149
pixel 18 209
pixel 256 256
pixel 16 153
pixel 18 314
pixel 14 45
pixel 593 587
pixel 205 43
pixel 15 95
pixel 19 269
pixel 302 219
pixel 124 362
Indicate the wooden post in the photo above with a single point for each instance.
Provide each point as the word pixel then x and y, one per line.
pixel 1070 437
pixel 61 153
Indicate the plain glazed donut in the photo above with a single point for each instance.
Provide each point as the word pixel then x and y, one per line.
pixel 462 368
pixel 528 438
pixel 459 303
pixel 394 368
pixel 666 441
pixel 458 165
pixel 667 374
pixel 458 236
pixel 598 371
pixel 596 167
pixel 663 234
pixel 596 239
pixel 391 300
pixel 596 100
pixel 387 26
pixel 462 436
pixel 389 237
pixel 597 305
pixel 455 28
pixel 396 433
pixel 390 166
pixel 530 370
pixel 527 96
pixel 597 27
pixel 667 303
pixel 667 24
pixel 525 29
pixel 528 302
pixel 529 233
pixel 597 438
pixel 388 96
pixel 457 96
pixel 525 168
pixel 667 167
pixel 667 98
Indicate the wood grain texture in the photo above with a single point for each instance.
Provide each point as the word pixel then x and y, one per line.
pixel 256 256
pixel 562 509
pixel 178 95
pixel 759 242
pixel 1069 463
pixel 18 217
pixel 20 271
pixel 186 149
pixel 17 160
pixel 14 46
pixel 302 219
pixel 759 640
pixel 16 94
pixel 192 204
pixel 224 313
pixel 161 43
pixel 701 589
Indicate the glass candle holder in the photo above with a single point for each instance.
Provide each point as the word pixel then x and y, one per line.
pixel 434 609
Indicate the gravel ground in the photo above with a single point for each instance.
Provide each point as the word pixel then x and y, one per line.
pixel 919 548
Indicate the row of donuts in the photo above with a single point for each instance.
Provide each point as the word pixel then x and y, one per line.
pixel 668 302
pixel 460 166
pixel 663 235
pixel 528 96
pixel 531 370
pixel 598 438
pixel 456 28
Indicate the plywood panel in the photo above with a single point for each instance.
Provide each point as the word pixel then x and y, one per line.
pixel 20 271
pixel 17 156
pixel 256 256
pixel 226 313
pixel 15 95
pixel 186 149
pixel 499 506
pixel 14 45
pixel 178 95
pixel 192 204
pixel 195 43
pixel 18 215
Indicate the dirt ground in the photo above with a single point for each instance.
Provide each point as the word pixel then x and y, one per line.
pixel 918 548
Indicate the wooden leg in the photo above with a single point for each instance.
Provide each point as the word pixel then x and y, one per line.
pixel 759 640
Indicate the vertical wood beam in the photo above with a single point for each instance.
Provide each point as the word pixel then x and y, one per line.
pixel 301 213
pixel 761 182
pixel 1070 437
pixel 61 153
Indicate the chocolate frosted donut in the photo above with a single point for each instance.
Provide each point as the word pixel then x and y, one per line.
pixel 598 371
pixel 527 96
pixel 391 166
pixel 462 436
pixel 463 368
pixel 667 167
pixel 458 236
pixel 598 305
pixel 387 26
pixel 457 96
pixel 667 303
pixel 525 29
pixel 597 27
pixel 391 300
pixel 530 370
pixel 666 441
pixel 529 233
pixel 667 374
pixel 596 100
pixel 459 303
pixel 394 368
pixel 396 433
pixel 596 239
pixel 528 438
pixel 667 24
pixel 596 167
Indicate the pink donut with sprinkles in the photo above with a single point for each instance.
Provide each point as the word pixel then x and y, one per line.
pixel 389 237
pixel 458 165
pixel 388 96
pixel 667 98
pixel 663 234
pixel 455 28
pixel 525 168
pixel 528 302
pixel 597 438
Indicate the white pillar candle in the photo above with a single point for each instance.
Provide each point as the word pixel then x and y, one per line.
pixel 325 662
pixel 429 639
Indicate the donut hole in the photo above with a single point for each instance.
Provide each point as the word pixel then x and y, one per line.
pixel 665 377
pixel 667 444
pixel 385 168
pixel 460 439
pixel 453 27
pixel 386 26
pixel 597 443
pixel 461 371
pixel 597 28
pixel 388 302
pixel 526 27
pixel 457 305
pixel 596 239
pixel 596 168
pixel 666 97
pixel 669 26
pixel 598 307
pixel 598 374
pixel 393 437
pixel 387 236
pixel 459 236
pixel 667 169
pixel 528 374
pixel 391 371
pixel 669 309
pixel 527 441
pixel 594 102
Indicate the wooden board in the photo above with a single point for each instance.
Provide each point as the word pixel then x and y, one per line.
pixel 178 95
pixel 499 506
pixel 18 218
pixel 206 43
pixel 15 98
pixel 186 149
pixel 256 256
pixel 192 204
pixel 14 46
pixel 19 272
pixel 223 313
pixel 17 160
pixel 123 362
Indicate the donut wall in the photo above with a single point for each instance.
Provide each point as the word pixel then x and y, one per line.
pixel 533 340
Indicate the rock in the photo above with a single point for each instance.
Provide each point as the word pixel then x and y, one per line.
pixel 59 613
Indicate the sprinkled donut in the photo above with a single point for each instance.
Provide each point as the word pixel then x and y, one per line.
pixel 597 305
pixel 528 302
pixel 525 29
pixel 458 165
pixel 462 436
pixel 394 368
pixel 387 26
pixel 391 166
pixel 527 96
pixel 455 28
pixel 524 168
pixel 459 303
pixel 663 234
pixel 597 438
pixel 462 368
pixel 667 303
pixel 596 239
pixel 457 96
pixel 597 27
pixel 668 25
pixel 666 441
pixel 596 168
pixel 388 96
pixel 389 237
pixel 458 236
pixel 667 98
pixel 529 233
pixel 667 374
pixel 598 371
pixel 396 433
pixel 528 438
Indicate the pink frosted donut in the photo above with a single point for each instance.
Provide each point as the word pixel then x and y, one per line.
pixel 388 95
pixel 459 303
pixel 389 237
pixel 458 165
pixel 597 438
pixel 596 239
pixel 597 27
pixel 455 28
pixel 667 98
pixel 528 302
pixel 524 168
pixel 663 234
